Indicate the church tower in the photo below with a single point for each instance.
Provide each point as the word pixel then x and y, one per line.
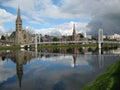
pixel 22 37
pixel 74 33
pixel 18 21
pixel 75 37
pixel 18 31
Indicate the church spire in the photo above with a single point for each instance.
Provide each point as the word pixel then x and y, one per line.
pixel 18 15
pixel 74 32
pixel 18 21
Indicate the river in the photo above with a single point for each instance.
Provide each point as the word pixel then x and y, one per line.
pixel 53 69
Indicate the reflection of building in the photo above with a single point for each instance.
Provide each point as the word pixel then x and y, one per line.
pixel 75 51
pixel 74 61
pixel 75 36
pixel 19 68
pixel 117 51
pixel 20 58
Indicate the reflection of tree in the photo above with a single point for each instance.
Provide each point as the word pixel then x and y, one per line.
pixel 3 58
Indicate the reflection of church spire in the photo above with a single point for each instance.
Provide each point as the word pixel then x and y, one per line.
pixel 74 62
pixel 19 73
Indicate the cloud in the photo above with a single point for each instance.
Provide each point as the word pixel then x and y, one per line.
pixel 1 29
pixel 5 72
pixel 101 13
pixel 63 29
pixel 106 15
pixel 5 17
pixel 37 10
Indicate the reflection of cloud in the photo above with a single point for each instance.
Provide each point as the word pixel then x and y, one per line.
pixel 50 71
pixel 68 59
pixel 5 72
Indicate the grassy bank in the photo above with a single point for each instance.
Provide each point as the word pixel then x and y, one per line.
pixel 66 46
pixel 9 47
pixel 107 46
pixel 110 80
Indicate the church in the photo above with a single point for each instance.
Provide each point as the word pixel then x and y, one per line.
pixel 75 37
pixel 20 36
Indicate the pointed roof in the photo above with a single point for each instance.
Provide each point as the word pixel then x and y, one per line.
pixel 18 15
pixel 74 32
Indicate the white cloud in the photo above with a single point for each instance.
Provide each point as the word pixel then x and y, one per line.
pixel 5 17
pixel 5 73
pixel 63 29
pixel 1 29
pixel 36 11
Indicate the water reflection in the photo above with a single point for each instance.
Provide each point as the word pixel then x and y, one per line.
pixel 20 58
pixel 54 69
pixel 101 59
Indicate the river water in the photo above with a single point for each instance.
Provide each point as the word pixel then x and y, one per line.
pixel 53 69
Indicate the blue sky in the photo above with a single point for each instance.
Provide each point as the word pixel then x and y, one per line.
pixel 38 15
pixel 57 16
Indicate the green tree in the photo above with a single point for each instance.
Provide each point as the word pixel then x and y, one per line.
pixel 55 39
pixel 3 37
pixel 81 36
pixel 41 39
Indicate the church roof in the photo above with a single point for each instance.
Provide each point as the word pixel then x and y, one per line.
pixel 18 15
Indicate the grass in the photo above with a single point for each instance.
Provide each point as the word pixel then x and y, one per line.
pixel 65 46
pixel 9 47
pixel 110 80
pixel 58 46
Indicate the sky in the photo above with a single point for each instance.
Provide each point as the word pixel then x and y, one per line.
pixel 56 17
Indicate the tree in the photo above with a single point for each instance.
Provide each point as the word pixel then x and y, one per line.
pixel 81 35
pixel 3 37
pixel 55 39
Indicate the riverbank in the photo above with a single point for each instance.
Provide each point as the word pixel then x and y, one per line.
pixel 10 48
pixel 106 46
pixel 67 46
pixel 110 80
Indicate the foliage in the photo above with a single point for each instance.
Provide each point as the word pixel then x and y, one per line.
pixel 108 81
pixel 9 47
pixel 3 37
pixel 55 39
pixel 81 35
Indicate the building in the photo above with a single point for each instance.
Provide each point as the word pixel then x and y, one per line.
pixel 20 36
pixel 114 37
pixel 75 37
